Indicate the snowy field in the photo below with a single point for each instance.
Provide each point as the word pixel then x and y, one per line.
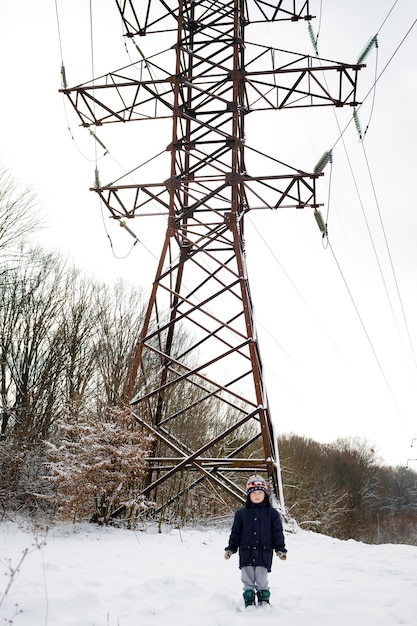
pixel 87 576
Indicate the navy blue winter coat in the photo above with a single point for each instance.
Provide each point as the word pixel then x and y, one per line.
pixel 257 533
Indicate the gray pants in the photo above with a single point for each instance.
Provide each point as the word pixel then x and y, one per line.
pixel 254 577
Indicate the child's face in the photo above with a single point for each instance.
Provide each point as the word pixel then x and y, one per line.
pixel 257 496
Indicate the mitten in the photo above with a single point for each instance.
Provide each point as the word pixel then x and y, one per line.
pixel 281 555
pixel 228 554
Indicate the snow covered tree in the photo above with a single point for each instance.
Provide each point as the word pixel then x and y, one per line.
pixel 96 466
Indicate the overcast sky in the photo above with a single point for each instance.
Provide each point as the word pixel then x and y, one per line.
pixel 337 324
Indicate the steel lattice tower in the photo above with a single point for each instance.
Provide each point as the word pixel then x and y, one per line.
pixel 198 354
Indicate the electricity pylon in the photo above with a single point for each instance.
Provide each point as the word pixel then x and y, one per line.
pixel 197 357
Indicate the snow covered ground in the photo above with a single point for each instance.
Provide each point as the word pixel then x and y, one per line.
pixel 81 575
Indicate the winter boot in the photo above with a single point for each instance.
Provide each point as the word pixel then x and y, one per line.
pixel 249 597
pixel 263 596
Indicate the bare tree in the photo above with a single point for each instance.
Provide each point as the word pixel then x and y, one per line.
pixel 19 216
pixel 31 346
pixel 119 311
pixel 356 468
pixel 78 331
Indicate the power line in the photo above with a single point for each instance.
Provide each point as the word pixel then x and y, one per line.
pixel 340 138
pixel 391 262
pixel 365 331
pixel 287 276
pixel 387 16
pixel 341 133
pixel 376 80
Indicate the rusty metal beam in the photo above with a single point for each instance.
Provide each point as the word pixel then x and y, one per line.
pixel 117 97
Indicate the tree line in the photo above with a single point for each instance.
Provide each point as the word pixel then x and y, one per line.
pixel 66 343
pixel 344 490
pixel 65 349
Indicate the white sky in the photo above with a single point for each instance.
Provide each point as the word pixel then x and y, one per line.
pixel 335 343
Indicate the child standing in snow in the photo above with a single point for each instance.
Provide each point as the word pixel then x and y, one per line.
pixel 256 533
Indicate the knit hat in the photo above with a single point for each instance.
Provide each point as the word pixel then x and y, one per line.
pixel 256 483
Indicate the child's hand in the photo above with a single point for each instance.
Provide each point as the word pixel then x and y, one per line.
pixel 228 554
pixel 281 555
